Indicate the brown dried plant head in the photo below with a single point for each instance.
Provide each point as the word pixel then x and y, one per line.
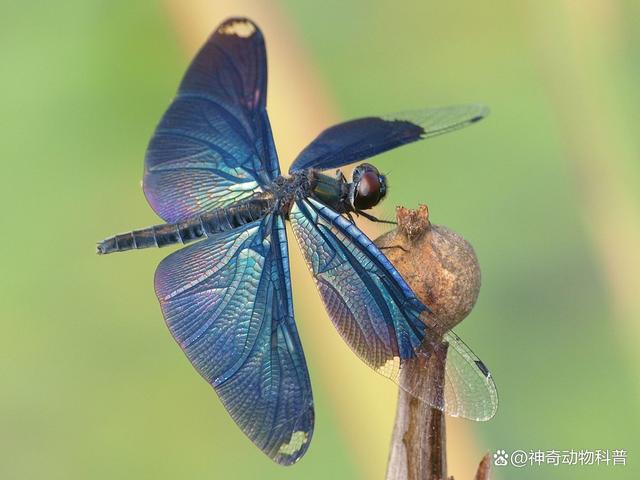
pixel 439 265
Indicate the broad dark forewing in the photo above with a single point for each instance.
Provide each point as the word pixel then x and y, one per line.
pixel 227 302
pixel 379 316
pixel 214 146
pixel 356 140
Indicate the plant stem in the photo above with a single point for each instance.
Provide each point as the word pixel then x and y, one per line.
pixel 418 445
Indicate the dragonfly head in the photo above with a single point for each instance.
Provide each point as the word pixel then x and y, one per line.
pixel 368 187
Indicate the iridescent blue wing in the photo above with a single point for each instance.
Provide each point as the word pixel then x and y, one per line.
pixel 227 302
pixel 380 317
pixel 362 138
pixel 213 146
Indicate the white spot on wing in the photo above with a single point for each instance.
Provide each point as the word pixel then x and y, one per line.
pixel 240 28
pixel 298 439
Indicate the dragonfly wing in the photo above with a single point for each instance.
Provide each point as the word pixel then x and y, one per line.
pixel 362 138
pixel 469 387
pixel 214 146
pixel 379 316
pixel 227 302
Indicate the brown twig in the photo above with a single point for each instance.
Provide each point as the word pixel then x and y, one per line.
pixel 484 468
pixel 418 445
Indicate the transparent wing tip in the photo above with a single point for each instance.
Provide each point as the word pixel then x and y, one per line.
pixel 483 111
pixel 463 387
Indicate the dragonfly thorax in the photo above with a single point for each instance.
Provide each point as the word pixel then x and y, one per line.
pixel 286 189
pixel 366 189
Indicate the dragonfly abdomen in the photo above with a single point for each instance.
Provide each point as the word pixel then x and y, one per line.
pixel 204 225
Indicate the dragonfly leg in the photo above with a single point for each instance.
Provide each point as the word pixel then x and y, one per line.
pixel 350 217
pixel 374 219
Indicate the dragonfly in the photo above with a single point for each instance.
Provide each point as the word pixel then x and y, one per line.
pixel 212 174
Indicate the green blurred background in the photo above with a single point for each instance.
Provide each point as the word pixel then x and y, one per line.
pixel 546 189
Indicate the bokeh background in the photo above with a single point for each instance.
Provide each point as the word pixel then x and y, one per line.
pixel 546 189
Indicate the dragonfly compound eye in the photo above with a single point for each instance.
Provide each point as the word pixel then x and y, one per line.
pixel 369 187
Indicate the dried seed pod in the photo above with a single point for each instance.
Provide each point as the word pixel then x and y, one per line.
pixel 438 264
